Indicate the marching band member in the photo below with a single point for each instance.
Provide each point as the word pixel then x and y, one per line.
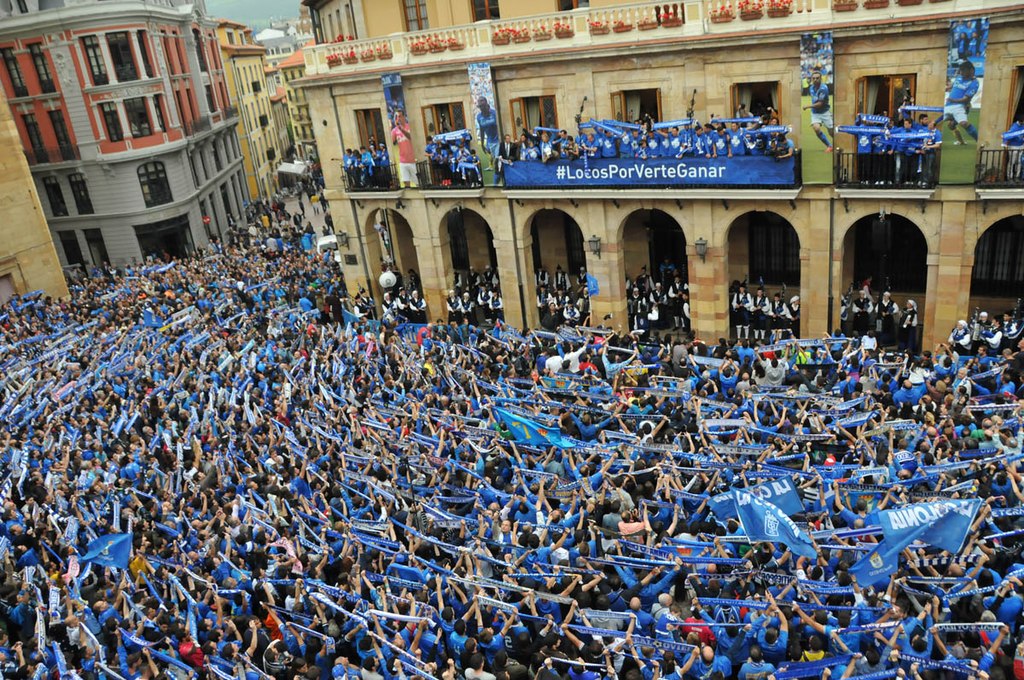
pixel 960 338
pixel 780 318
pixel 862 308
pixel 760 308
pixel 908 327
pixel 742 306
pixel 794 316
pixel 887 316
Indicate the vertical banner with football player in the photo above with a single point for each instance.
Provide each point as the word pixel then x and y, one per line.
pixel 961 111
pixel 398 128
pixel 816 99
pixel 486 128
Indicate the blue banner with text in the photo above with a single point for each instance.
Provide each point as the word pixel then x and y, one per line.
pixel 655 172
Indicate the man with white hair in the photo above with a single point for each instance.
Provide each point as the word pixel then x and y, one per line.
pixel 960 338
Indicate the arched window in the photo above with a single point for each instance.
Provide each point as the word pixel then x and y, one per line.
pixel 155 188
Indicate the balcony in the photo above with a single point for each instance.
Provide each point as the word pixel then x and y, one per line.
pixel 433 176
pixel 230 112
pixel 632 25
pixel 372 180
pixel 999 174
pixel 863 174
pixel 58 154
pixel 197 126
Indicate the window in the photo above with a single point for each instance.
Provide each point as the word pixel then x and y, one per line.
pixel 371 126
pixel 755 98
pixel 56 197
pixel 60 132
pixel 112 121
pixel 416 15
pixel 200 52
pixel 530 112
pixel 883 95
pixel 14 72
pixel 155 188
pixel 216 156
pixel 72 250
pixel 80 192
pixel 158 105
pixel 42 68
pixel 271 154
pixel 485 9
pixel 999 260
pixel 140 37
pixel 256 87
pixel 264 120
pixel 210 102
pixel 1017 96
pixel 121 57
pixel 566 5
pixel 138 117
pixel 443 118
pixel 23 6
pixel 94 55
pixel 631 105
pixel 97 248
pixel 35 138
pixel 231 37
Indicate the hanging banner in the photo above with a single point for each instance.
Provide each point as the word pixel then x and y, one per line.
pixel 961 111
pixel 398 126
pixel 816 98
pixel 671 173
pixel 486 127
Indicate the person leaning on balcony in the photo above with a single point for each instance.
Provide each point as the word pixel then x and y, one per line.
pixel 1013 142
pixel 929 151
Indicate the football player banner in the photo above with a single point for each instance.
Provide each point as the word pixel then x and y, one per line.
pixel 961 110
pixel 817 127
pixel 399 130
pixel 486 125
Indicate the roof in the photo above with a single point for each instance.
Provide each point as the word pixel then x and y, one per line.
pixel 243 49
pixel 270 69
pixel 278 96
pixel 269 34
pixel 294 59
pixel 229 23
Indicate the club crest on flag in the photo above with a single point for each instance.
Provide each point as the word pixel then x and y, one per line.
pixel 876 561
pixel 771 526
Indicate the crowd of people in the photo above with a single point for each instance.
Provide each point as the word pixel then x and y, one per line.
pixel 213 468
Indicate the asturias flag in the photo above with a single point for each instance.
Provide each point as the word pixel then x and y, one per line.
pixel 763 521
pixel 112 550
pixel 532 432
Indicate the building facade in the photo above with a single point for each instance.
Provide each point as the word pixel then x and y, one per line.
pixel 245 74
pixel 124 117
pixel 950 246
pixel 28 259
pixel 292 70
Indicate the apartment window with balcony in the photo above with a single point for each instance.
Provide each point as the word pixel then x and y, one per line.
pixel 140 37
pixel 416 15
pixel 80 192
pixel 630 105
pixel 370 125
pixel 756 97
pixel 94 56
pixel 121 56
pixel 14 72
pixel 1017 96
pixel 58 208
pixel 156 190
pixel 530 112
pixel 60 132
pixel 138 117
pixel 158 105
pixel 112 121
pixel 200 52
pixel 485 9
pixel 443 118
pixel 210 101
pixel 883 95
pixel 42 68
pixel 72 249
pixel 35 137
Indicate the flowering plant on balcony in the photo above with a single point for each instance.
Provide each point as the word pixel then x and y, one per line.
pixel 503 36
pixel 780 8
pixel 369 54
pixel 598 27
pixel 334 59
pixel 750 9
pixel 721 13
pixel 349 57
pixel 648 23
pixel 454 44
pixel 343 38
pixel 384 51
pixel 622 26
pixel 542 32
pixel 420 46
pixel 564 29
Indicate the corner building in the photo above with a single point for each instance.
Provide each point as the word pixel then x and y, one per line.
pixel 123 114
pixel 951 245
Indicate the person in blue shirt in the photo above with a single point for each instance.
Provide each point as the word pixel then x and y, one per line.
pixel 1013 142
pixel 737 141
pixel 821 111
pixel 755 668
pixel 962 90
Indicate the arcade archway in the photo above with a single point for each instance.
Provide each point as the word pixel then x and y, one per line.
pixel 654 240
pixel 997 278
pixel 764 248
pixel 474 260
pixel 390 247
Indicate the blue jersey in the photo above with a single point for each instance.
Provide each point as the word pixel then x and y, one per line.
pixel 819 95
pixel 962 89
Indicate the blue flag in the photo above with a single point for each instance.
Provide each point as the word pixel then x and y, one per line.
pixel 875 568
pixel 531 432
pixel 763 521
pixel 112 550
pixel 945 523
pixel 779 492
pixel 593 289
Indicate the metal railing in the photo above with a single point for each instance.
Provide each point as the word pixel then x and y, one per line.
pixel 57 154
pixel 887 170
pixel 431 175
pixel 1000 169
pixel 197 126
pixel 126 73
pixel 369 179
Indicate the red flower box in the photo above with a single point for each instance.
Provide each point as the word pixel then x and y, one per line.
pixel 751 15
pixel 779 11
pixel 844 6
pixel 521 38
pixel 599 29
pixel 876 4
pixel 622 28
pixel 500 40
pixel 647 25
pixel 564 34
pixel 721 18
pixel 671 22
